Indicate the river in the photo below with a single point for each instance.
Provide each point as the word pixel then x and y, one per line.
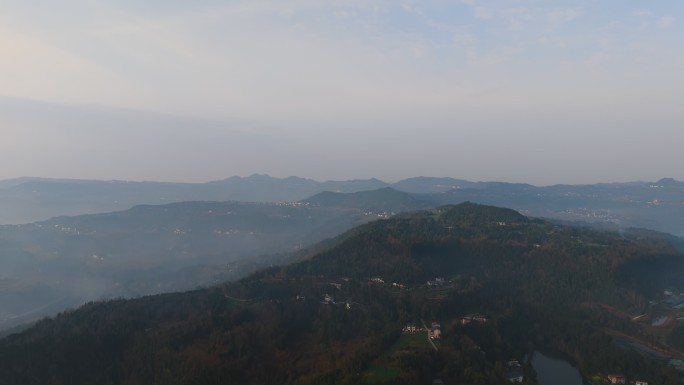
pixel 554 371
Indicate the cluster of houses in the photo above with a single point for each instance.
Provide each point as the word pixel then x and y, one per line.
pixel 617 379
pixel 675 301
pixel 292 204
pixel 381 281
pixel 437 282
pixel 434 332
pixel 433 283
pixel 622 379
pixel 479 318
pixel 330 300
pixel 514 372
pixel 411 328
pixel 381 215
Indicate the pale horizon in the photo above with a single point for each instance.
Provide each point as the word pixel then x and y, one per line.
pixel 485 90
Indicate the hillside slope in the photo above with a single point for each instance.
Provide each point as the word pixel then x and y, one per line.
pixel 52 265
pixel 337 318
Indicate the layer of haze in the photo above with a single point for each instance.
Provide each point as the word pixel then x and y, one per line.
pixel 532 91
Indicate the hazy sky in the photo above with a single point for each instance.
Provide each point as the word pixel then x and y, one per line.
pixel 531 91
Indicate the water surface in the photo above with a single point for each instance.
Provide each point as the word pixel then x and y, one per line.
pixel 554 371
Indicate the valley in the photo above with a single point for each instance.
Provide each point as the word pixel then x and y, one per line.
pixel 53 265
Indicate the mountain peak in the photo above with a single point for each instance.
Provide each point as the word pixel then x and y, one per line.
pixel 668 182
pixel 474 214
pixel 382 199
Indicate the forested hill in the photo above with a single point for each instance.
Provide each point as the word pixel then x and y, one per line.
pixel 337 318
pixel 382 201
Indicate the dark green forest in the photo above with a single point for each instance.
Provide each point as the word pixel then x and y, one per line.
pixel 337 317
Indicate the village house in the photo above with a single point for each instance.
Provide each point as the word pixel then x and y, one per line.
pixel 410 328
pixel 515 372
pixel 513 364
pixel 515 376
pixel 349 303
pixel 435 332
pixel 617 379
pixel 473 318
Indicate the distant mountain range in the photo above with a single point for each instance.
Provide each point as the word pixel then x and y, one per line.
pixel 26 200
pixel 53 264
pixel 656 205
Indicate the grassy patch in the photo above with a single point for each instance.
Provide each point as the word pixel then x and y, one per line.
pixel 383 368
pixel 417 339
pixel 438 294
pixel 376 374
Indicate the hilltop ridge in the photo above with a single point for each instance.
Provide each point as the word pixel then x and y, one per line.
pixel 386 199
pixel 655 205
